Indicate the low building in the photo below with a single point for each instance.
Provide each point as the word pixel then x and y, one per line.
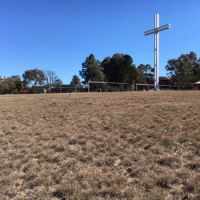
pixel 197 85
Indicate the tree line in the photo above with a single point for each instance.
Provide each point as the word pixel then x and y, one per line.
pixel 182 72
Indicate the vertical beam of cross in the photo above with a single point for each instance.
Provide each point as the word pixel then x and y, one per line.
pixel 156 52
pixel 155 31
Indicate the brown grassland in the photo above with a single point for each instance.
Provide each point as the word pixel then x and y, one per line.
pixel 139 145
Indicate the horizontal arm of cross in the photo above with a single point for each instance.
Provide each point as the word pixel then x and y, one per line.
pixel 156 30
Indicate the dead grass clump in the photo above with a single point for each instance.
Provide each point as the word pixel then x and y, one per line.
pixel 52 158
pixel 7 185
pixel 182 139
pixel 147 147
pixel 195 135
pixel 73 141
pixel 67 190
pixel 84 158
pixel 192 185
pixel 156 149
pixel 58 146
pixel 82 142
pixel 183 174
pixel 126 162
pixel 137 157
pixel 32 180
pixel 166 143
pixel 136 139
pixel 90 148
pixel 111 192
pixel 189 187
pixel 165 181
pixel 60 194
pixel 168 161
pixel 106 161
pixel 154 194
pixel 134 171
pixel 194 166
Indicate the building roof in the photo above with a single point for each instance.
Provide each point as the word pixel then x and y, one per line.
pixel 197 83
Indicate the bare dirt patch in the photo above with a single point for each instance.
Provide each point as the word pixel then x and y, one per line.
pixel 141 145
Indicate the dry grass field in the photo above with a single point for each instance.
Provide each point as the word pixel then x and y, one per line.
pixel 138 146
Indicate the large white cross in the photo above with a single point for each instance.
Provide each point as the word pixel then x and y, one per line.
pixel 156 31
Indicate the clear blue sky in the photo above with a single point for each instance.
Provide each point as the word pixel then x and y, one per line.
pixel 59 34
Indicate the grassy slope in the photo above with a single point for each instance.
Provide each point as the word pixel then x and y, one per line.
pixel 100 146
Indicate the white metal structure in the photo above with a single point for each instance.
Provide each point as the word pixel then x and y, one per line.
pixel 103 82
pixel 149 86
pixel 156 31
pixel 197 83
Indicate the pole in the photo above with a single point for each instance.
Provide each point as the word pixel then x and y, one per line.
pixel 156 53
pixel 88 86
